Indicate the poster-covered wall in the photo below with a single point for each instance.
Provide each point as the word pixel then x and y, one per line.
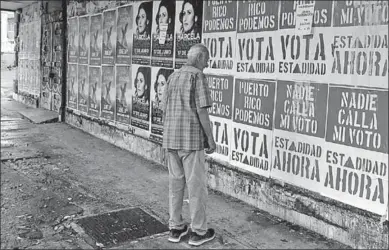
pixel 298 98
pixel 29 77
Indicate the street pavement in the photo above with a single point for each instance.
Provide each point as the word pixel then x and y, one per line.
pixel 53 174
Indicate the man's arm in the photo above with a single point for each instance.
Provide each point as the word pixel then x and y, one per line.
pixel 206 124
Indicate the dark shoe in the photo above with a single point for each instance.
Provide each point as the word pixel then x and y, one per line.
pixel 175 235
pixel 197 240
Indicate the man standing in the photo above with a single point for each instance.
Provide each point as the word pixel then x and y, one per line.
pixel 187 132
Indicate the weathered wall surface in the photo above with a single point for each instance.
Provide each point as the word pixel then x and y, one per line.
pixel 41 43
pixel 28 49
pixel 300 104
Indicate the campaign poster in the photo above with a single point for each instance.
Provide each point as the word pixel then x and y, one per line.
pixel 299 133
pixel 360 13
pixel 256 40
pixel 84 39
pixel 38 76
pixel 140 116
pixel 27 82
pixel 83 87
pixel 72 85
pixel 219 35
pixel 33 77
pixel 73 40
pixel 20 74
pixel 141 46
pixel 109 37
pixel 159 80
pixel 108 92
pixel 123 93
pixel 322 16
pixel 188 28
pixel 356 157
pixel 31 40
pixel 94 91
pixel 359 44
pixel 163 33
pixel 252 125
pixel 124 35
pixel 220 113
pixel 304 57
pixel 96 39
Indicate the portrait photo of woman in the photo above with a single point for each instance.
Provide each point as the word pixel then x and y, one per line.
pixel 160 84
pixel 143 19
pixel 165 16
pixel 142 85
pixel 191 17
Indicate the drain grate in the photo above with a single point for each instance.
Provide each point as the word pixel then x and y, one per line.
pixel 120 226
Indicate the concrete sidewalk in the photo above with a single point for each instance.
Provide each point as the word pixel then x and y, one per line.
pixel 119 178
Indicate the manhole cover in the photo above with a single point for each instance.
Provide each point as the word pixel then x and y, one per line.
pixel 120 226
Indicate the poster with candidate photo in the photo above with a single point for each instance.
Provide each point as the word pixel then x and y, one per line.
pixel 140 114
pixel 143 18
pixel 189 15
pixel 94 91
pixel 84 39
pixel 72 85
pixel 124 35
pixel 163 33
pixel 83 87
pixel 109 37
pixel 159 80
pixel 73 40
pixel 108 92
pixel 96 39
pixel 123 93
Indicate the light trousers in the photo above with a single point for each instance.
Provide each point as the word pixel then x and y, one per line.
pixel 187 167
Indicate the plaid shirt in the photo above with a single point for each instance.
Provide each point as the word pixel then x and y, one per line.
pixel 186 91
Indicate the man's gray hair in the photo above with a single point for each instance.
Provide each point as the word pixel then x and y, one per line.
pixel 195 50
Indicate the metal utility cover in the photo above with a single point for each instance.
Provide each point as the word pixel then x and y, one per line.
pixel 120 226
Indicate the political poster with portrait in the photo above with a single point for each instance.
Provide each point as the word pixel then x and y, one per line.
pixel 252 125
pixel 108 92
pixel 73 40
pixel 83 82
pixel 256 40
pixel 359 41
pixel 94 91
pixel 96 39
pixel 140 115
pixel 123 93
pixel 304 56
pixel 188 28
pixel 124 35
pixel 219 35
pixel 159 81
pixel 356 156
pixel 299 133
pixel 109 37
pixel 72 85
pixel 163 33
pixel 84 39
pixel 220 113
pixel 141 46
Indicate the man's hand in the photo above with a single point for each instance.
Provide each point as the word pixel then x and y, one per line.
pixel 211 146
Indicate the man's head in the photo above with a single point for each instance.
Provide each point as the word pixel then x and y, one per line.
pixel 198 56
